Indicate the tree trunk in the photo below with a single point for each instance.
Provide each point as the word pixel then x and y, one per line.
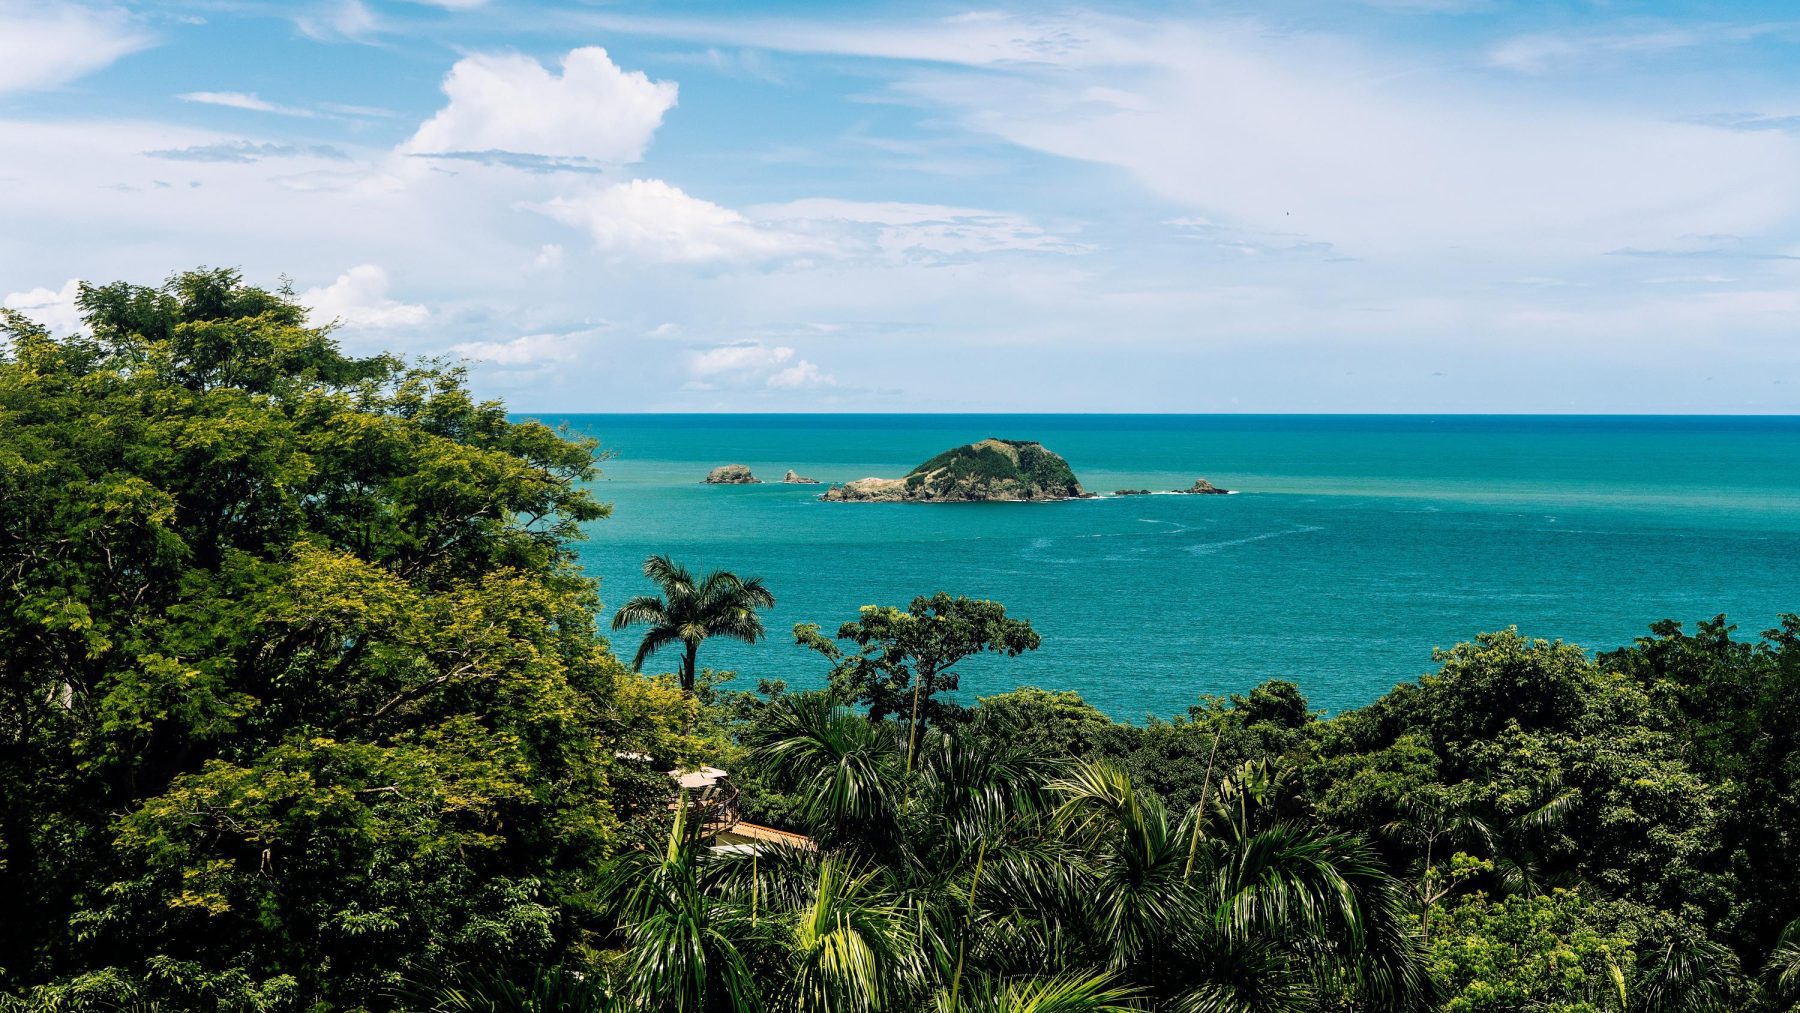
pixel 687 684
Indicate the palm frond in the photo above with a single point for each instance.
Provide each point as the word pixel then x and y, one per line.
pixel 657 638
pixel 1783 967
pixel 642 609
pixel 853 946
pixel 1689 975
pixel 844 766
pixel 1065 993
pixel 545 990
pixel 676 581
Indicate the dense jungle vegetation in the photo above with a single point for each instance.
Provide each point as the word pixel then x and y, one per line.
pixel 304 705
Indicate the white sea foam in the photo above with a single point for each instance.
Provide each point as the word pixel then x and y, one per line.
pixel 1208 548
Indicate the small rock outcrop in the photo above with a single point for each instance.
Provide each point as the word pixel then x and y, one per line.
pixel 732 474
pixel 1131 492
pixel 991 471
pixel 1202 487
pixel 794 478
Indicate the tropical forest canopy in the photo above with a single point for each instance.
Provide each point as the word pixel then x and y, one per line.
pixel 304 705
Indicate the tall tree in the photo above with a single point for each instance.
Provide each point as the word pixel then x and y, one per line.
pixel 690 612
pixel 905 657
pixel 300 687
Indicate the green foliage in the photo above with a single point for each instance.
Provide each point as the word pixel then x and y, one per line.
pixel 904 658
pixel 1537 952
pixel 303 706
pixel 299 684
pixel 546 990
pixel 995 462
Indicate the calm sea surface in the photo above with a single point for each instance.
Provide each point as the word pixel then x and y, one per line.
pixel 1358 543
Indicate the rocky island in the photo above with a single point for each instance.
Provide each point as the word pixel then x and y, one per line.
pixel 991 471
pixel 732 474
pixel 795 478
pixel 1202 487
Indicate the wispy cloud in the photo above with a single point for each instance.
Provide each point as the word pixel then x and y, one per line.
pixel 1710 247
pixel 248 101
pixel 48 45
pixel 338 20
pixel 244 152
pixel 1546 52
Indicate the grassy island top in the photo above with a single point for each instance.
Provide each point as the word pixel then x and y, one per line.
pixel 996 460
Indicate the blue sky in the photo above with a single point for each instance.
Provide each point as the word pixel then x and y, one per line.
pixel 1386 205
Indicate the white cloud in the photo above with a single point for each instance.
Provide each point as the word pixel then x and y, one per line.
pixel 751 364
pixel 359 299
pixel 1328 144
pixel 977 38
pixel 929 229
pixel 53 308
pixel 510 104
pixel 801 375
pixel 525 350
pixel 43 46
pixel 651 220
pixel 332 20
pixel 243 100
pixel 1545 52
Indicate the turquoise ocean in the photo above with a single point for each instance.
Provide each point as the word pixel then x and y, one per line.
pixel 1356 545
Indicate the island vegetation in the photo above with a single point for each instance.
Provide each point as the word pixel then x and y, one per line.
pixel 304 706
pixel 992 470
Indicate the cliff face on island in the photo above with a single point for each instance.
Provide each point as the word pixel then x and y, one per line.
pixel 1012 471
pixel 731 474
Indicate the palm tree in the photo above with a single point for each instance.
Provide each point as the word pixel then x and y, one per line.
pixel 1272 913
pixel 1782 971
pixel 687 944
pixel 721 604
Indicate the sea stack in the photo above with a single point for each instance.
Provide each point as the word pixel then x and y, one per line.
pixel 991 471
pixel 795 478
pixel 732 474
pixel 1202 487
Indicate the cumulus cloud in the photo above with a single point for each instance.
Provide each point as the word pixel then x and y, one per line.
pixel 751 364
pixel 651 220
pixel 800 376
pixel 509 104
pixel 43 46
pixel 53 308
pixel 359 299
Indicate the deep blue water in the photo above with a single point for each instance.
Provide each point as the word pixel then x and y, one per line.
pixel 1358 543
